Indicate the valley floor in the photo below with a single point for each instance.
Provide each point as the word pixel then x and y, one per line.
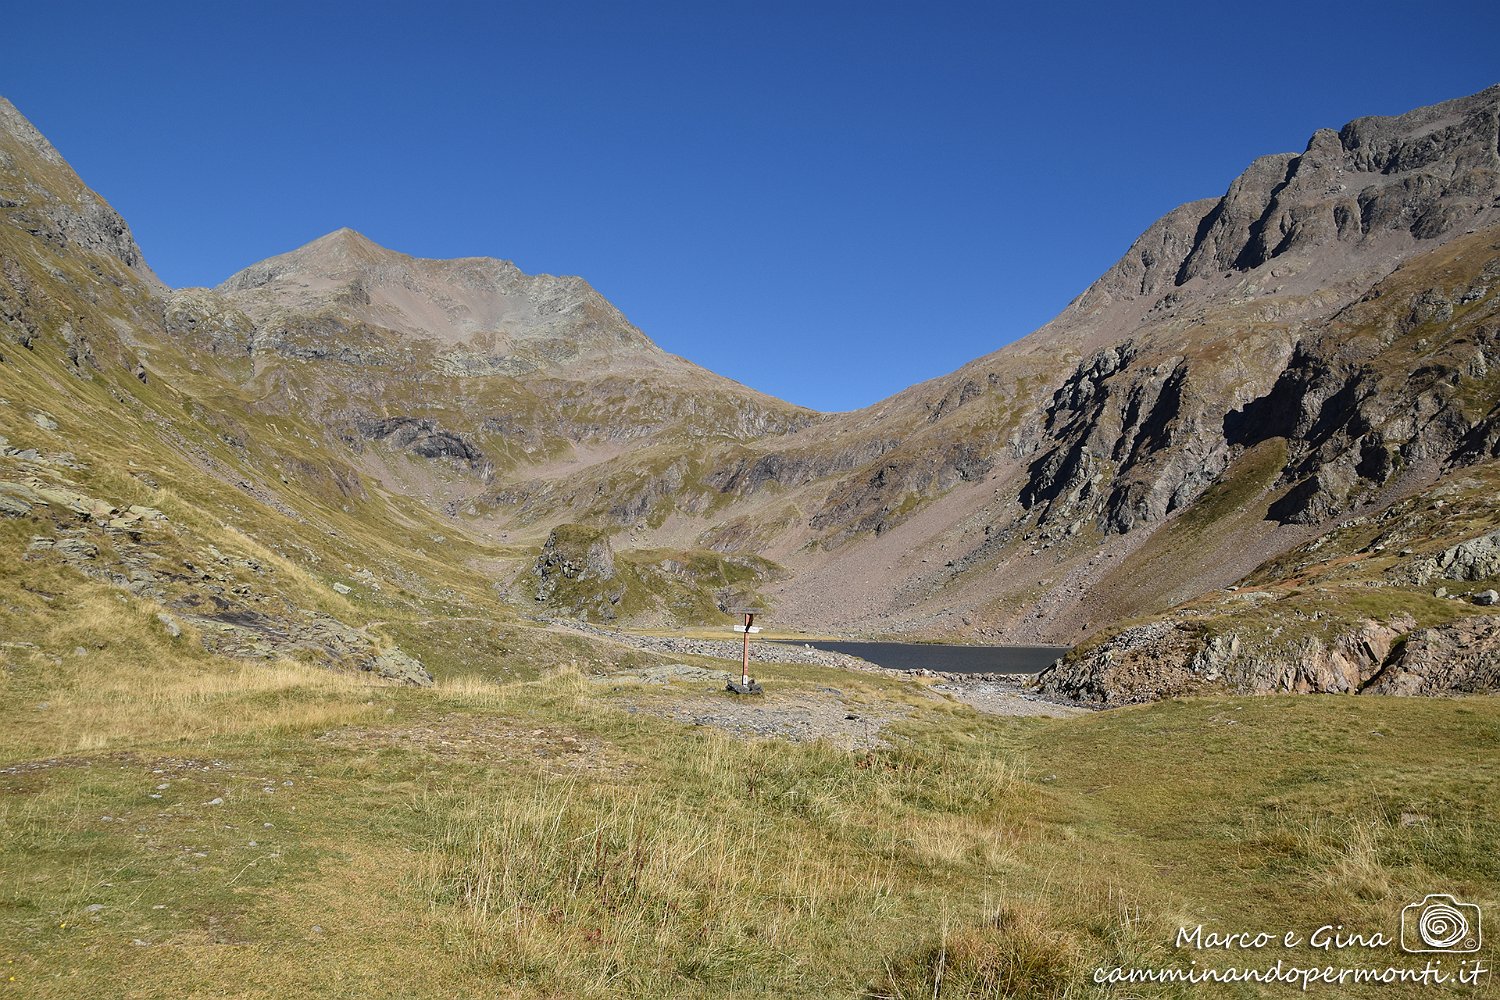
pixel 222 829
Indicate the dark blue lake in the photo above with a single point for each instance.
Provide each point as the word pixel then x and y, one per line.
pixel 949 659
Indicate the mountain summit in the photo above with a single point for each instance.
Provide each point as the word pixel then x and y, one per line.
pixel 478 302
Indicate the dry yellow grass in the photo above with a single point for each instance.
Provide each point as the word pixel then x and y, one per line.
pixel 122 680
pixel 375 840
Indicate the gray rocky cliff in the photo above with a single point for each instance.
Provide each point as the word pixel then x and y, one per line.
pixel 41 195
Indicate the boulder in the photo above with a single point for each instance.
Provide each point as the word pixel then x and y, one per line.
pixel 393 664
pixel 1461 657
pixel 1474 559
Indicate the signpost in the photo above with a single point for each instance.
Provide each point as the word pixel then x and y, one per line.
pixel 745 685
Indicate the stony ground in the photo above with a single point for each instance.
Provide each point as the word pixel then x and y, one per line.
pixel 1006 698
pixel 800 717
pixel 697 695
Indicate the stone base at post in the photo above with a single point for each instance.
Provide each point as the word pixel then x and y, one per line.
pixel 737 688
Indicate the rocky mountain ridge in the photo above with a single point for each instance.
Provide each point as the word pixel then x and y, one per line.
pixel 1317 344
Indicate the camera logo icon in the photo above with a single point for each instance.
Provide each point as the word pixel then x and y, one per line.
pixel 1440 923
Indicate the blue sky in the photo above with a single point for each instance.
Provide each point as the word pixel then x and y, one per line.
pixel 826 201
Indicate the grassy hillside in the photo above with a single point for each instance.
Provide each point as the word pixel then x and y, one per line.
pixel 279 829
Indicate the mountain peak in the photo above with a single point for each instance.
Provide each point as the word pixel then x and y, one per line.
pixel 341 249
pixel 1382 184
pixel 469 303
pixel 17 128
pixel 348 238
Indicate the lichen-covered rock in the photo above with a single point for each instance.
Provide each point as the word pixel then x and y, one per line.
pixel 1341 665
pixel 1473 559
pixel 575 572
pixel 1138 664
pixel 393 664
pixel 1457 658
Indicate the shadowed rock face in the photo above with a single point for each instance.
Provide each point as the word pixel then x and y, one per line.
pixel 422 437
pixel 1424 174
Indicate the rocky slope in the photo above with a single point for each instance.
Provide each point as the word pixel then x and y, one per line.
pixel 1315 348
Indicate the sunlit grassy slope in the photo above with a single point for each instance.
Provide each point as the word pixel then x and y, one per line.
pixel 175 826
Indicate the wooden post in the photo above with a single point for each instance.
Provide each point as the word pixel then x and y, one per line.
pixel 745 656
pixel 745 685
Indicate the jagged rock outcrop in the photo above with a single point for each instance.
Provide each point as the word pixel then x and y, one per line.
pixel 575 572
pixel 1459 658
pixel 1136 442
pixel 1137 433
pixel 1424 174
pixel 422 437
pixel 1140 437
pixel 1356 412
pixel 1474 559
pixel 1163 659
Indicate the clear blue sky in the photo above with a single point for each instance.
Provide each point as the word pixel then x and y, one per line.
pixel 826 201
